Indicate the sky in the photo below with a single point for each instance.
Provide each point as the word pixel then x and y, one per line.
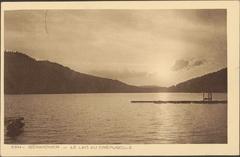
pixel 138 47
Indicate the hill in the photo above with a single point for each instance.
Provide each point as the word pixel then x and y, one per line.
pixel 25 75
pixel 213 82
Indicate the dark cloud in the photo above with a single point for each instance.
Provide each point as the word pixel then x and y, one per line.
pixel 187 64
pixel 217 16
pixel 180 64
pixel 198 62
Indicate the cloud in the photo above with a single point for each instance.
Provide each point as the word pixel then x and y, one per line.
pixel 198 62
pixel 187 64
pixel 180 64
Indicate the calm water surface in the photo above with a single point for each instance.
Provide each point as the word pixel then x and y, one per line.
pixel 113 119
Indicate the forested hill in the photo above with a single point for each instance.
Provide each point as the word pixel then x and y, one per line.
pixel 25 75
pixel 212 82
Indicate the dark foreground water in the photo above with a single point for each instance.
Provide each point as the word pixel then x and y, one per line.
pixel 113 119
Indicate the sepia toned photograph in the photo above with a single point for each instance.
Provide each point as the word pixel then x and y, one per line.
pixel 116 78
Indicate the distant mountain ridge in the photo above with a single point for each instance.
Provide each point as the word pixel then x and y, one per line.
pixel 25 75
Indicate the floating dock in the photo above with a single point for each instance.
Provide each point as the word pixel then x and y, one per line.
pixel 207 99
pixel 182 102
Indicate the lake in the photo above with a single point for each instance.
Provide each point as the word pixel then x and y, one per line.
pixel 113 119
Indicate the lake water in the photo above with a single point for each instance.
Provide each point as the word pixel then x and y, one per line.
pixel 113 119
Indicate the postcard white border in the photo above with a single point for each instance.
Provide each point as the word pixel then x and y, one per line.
pixel 231 148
